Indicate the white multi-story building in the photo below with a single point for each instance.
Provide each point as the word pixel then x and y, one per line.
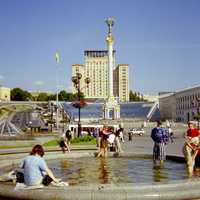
pixel 96 68
pixel 181 105
pixel 121 82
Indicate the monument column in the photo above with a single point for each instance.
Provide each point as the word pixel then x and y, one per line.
pixel 110 41
pixel 111 107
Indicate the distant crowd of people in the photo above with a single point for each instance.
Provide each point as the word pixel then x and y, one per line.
pixel 108 137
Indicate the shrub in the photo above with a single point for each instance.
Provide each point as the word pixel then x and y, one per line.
pixel 83 139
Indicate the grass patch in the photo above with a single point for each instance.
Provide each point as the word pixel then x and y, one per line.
pixel 85 140
pixel 51 143
pixel 4 111
pixel 12 147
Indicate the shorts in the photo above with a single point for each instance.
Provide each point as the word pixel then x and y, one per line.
pixel 103 143
pixel 62 144
pixel 47 180
pixel 159 152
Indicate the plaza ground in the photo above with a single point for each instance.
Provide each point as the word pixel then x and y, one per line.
pixel 138 145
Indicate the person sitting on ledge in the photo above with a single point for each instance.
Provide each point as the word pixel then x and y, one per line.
pixel 35 169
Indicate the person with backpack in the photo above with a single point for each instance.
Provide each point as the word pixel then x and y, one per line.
pixel 160 137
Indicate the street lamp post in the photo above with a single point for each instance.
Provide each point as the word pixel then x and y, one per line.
pixel 76 80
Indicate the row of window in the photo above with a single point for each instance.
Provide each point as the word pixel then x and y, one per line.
pixel 187 102
pixel 188 98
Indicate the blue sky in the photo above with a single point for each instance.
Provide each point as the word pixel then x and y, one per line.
pixel 159 39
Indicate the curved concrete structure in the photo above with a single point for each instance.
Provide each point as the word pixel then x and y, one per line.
pixel 176 190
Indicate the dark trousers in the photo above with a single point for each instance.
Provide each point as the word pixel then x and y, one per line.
pixel 197 161
pixel 47 180
pixel 20 178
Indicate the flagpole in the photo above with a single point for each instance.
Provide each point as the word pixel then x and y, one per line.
pixel 57 61
pixel 57 104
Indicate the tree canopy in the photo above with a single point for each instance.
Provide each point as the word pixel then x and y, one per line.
pixel 136 96
pixel 17 94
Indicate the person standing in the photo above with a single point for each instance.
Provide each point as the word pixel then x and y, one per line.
pixel 103 150
pixel 171 134
pixel 130 136
pixel 160 138
pixel 117 140
pixel 190 148
pixel 121 135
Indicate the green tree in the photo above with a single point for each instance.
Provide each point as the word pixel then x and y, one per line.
pixel 28 96
pixel 17 94
pixel 75 96
pixel 62 96
pixel 131 96
pixel 65 96
pixel 42 97
pixel 136 96
pixel 52 97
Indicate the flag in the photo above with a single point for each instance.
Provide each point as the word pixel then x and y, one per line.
pixel 57 56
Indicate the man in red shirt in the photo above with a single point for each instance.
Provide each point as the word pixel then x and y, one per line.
pixel 190 148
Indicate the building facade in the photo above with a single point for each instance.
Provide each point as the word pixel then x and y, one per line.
pixel 121 82
pixel 96 68
pixel 150 98
pixel 167 106
pixel 4 94
pixel 181 105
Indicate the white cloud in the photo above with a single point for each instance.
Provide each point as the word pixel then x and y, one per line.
pixel 69 88
pixel 1 77
pixel 39 83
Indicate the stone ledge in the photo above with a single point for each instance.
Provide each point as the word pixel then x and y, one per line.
pixel 176 190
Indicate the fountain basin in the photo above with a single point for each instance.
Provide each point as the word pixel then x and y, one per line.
pixel 174 189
